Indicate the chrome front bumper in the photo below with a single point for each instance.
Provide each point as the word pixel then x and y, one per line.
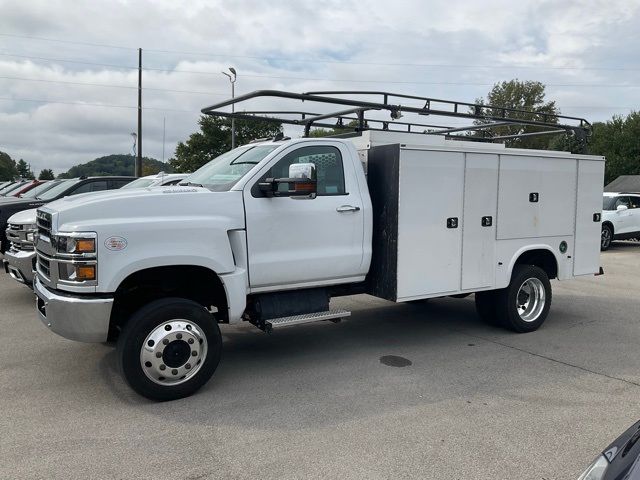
pixel 80 318
pixel 19 264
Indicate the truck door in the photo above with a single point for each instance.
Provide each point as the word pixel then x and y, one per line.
pixel 295 240
pixel 479 224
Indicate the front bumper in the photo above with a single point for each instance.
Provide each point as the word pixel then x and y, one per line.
pixel 80 318
pixel 20 264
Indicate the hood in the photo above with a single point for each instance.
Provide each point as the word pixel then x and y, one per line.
pixel 12 200
pixel 91 210
pixel 25 217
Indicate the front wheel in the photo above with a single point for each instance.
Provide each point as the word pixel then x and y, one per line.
pixel 606 237
pixel 169 349
pixel 524 305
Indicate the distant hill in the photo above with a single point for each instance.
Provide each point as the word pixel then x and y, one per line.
pixel 115 165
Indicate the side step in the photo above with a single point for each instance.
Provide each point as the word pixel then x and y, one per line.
pixel 306 318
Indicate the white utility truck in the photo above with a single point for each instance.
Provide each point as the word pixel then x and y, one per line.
pixel 269 232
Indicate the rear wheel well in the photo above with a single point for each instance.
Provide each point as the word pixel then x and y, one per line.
pixel 192 282
pixel 540 258
pixel 608 224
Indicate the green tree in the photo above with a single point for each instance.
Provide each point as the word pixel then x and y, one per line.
pixel 214 138
pixel 618 140
pixel 24 170
pixel 46 174
pixel 524 95
pixel 325 132
pixel 115 165
pixel 8 168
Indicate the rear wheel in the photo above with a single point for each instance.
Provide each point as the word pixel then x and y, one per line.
pixel 524 305
pixel 169 349
pixel 606 237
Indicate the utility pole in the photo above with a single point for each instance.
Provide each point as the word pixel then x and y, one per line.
pixel 164 127
pixel 138 171
pixel 232 79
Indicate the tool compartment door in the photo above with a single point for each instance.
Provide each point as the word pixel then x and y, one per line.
pixel 430 193
pixel 536 197
pixel 589 202
pixel 479 224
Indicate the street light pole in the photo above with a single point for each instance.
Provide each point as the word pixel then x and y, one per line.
pixel 232 79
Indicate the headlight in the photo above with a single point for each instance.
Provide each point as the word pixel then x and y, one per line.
pixel 76 244
pixel 77 272
pixel 31 230
pixel 596 470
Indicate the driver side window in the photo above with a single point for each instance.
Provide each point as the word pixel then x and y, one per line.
pixel 329 169
pixel 621 201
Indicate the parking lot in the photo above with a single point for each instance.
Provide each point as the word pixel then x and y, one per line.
pixel 316 401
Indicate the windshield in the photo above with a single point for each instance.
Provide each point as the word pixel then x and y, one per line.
pixel 223 172
pixel 36 190
pixel 7 187
pixel 139 183
pixel 56 190
pixel 608 203
pixel 14 188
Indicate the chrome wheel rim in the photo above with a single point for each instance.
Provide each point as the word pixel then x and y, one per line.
pixel 530 299
pixel 173 352
pixel 606 237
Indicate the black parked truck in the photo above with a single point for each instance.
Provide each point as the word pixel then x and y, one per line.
pixel 57 189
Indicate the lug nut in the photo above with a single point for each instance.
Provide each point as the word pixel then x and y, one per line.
pixel 158 354
pixel 187 366
pixel 179 336
pixel 194 354
pixel 165 341
pixel 162 367
pixel 174 371
pixel 190 341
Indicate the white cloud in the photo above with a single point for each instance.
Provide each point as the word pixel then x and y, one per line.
pixel 447 49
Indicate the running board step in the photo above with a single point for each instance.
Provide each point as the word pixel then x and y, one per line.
pixel 306 318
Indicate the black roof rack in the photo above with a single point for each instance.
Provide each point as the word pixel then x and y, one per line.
pixel 357 114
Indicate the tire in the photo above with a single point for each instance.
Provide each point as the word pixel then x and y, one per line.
pixel 169 349
pixel 486 307
pixel 606 237
pixel 528 284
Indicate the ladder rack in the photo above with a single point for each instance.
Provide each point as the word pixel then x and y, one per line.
pixel 353 113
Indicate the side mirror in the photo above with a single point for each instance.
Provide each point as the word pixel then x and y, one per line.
pixel 300 183
pixel 621 208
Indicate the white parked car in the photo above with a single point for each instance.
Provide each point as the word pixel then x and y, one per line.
pixel 620 217
pixel 156 180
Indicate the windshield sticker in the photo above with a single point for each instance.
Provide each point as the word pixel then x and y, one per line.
pixel 115 244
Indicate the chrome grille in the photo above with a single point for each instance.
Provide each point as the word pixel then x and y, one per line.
pixel 44 266
pixel 43 221
pixel 17 237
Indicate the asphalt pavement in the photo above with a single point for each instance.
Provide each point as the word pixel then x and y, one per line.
pixel 423 391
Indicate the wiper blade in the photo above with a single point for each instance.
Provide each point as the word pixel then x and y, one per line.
pixel 191 184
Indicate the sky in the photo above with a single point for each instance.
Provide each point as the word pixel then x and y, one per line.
pixel 68 69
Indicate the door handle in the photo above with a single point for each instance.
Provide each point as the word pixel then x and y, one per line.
pixel 347 208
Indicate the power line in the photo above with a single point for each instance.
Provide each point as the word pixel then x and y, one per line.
pixel 89 104
pixel 65 82
pixel 282 77
pixel 594 107
pixel 326 61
